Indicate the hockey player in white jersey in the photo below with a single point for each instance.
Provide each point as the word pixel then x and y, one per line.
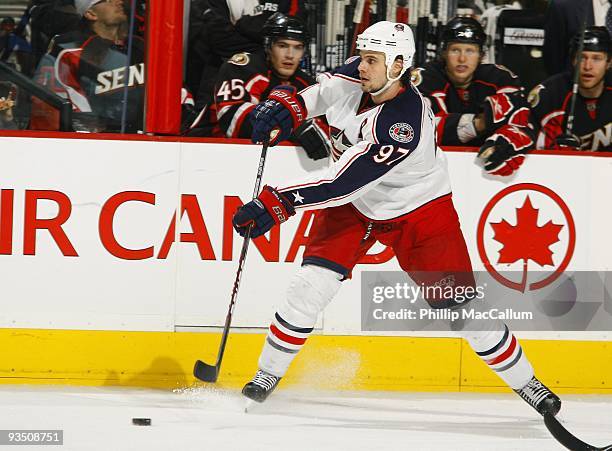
pixel 389 183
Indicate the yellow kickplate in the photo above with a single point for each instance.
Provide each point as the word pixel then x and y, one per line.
pixel 165 360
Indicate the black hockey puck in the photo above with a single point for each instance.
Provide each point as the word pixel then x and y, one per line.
pixel 141 421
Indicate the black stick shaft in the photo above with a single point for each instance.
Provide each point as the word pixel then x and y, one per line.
pixel 569 127
pixel 567 439
pixel 241 260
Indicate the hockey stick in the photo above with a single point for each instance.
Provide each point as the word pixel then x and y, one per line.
pixel 357 18
pixel 202 370
pixel 570 116
pixel 566 438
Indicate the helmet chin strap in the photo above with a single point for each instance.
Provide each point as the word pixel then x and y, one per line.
pixel 389 82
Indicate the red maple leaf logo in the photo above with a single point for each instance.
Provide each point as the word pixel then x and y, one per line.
pixel 525 240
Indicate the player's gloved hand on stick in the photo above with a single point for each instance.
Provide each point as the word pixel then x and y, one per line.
pixel 270 208
pixel 568 140
pixel 276 118
pixel 505 150
pixel 313 140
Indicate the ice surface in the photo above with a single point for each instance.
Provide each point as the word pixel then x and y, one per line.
pixel 208 418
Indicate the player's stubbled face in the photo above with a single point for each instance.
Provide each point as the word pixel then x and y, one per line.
pixel 593 69
pixel 372 71
pixel 461 62
pixel 285 56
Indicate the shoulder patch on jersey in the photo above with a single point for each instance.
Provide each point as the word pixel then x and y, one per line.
pixel 502 67
pixel 350 59
pixel 534 96
pixel 416 77
pixel 399 121
pixel 401 132
pixel 240 59
pixel 429 78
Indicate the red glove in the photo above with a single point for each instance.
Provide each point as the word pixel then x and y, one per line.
pixel 505 150
pixel 504 108
pixel 496 109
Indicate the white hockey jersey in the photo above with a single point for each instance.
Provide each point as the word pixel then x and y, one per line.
pixel 387 161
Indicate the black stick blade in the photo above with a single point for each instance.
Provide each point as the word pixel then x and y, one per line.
pixel 205 372
pixel 566 438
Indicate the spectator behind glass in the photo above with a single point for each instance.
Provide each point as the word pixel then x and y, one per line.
pixel 88 67
pixel 14 49
pixel 7 102
pixel 52 17
pixel 223 28
pixel 563 21
pixel 48 19
pixel 550 101
pixel 476 104
pixel 247 79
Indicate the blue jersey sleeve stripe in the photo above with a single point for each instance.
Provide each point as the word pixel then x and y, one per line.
pixel 326 201
pixel 318 182
pixel 357 175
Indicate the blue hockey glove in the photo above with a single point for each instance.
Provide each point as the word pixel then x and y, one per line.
pixel 270 208
pixel 278 116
